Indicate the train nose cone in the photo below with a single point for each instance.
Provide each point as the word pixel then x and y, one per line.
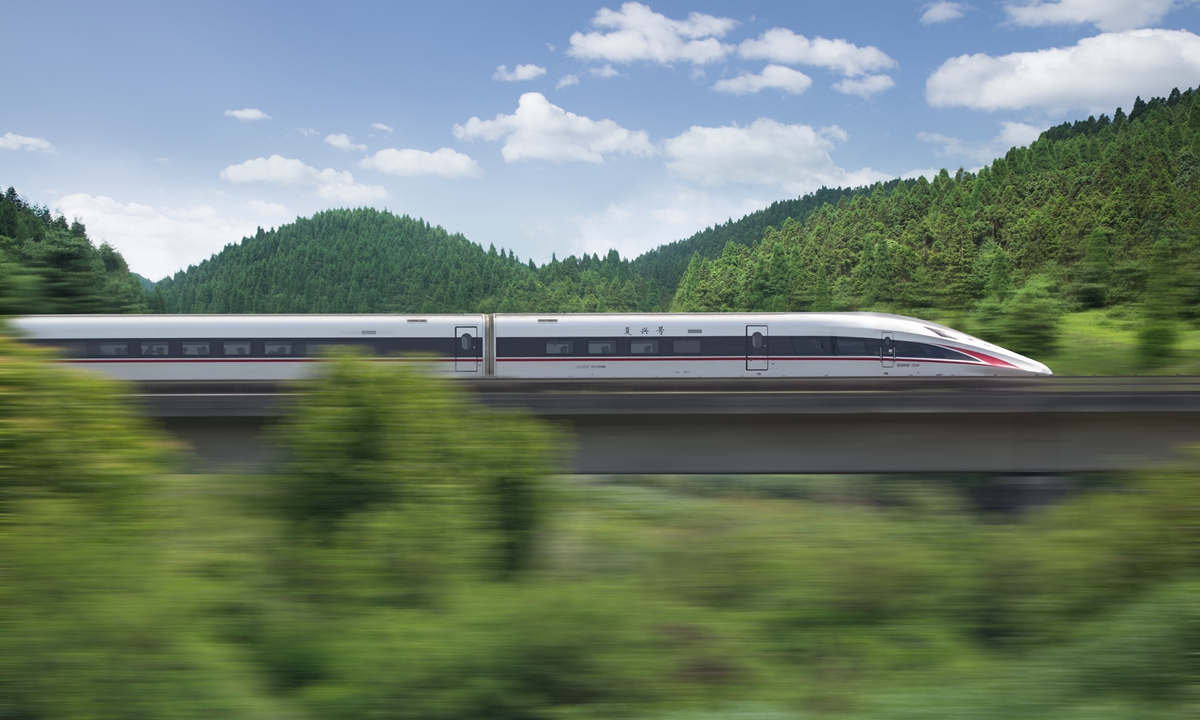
pixel 1041 369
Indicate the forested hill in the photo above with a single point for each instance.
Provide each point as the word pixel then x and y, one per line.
pixel 50 266
pixel 1098 212
pixel 1094 213
pixel 369 260
pixel 667 263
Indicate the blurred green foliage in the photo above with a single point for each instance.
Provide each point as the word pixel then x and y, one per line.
pixel 414 556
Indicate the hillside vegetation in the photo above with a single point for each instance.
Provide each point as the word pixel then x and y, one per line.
pixel 48 265
pixel 1099 213
pixel 369 260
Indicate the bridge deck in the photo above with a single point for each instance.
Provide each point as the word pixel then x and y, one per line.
pixel 787 425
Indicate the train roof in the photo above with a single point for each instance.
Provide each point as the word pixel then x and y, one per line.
pixel 233 326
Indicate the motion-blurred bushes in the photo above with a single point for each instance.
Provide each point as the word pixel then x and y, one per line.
pixel 93 623
pixel 411 559
pixel 1027 321
pixel 396 477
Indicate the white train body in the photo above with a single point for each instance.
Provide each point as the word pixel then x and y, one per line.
pixel 725 345
pixel 250 348
pixel 185 348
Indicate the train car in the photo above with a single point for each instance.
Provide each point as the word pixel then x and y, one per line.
pixel 186 348
pixel 726 345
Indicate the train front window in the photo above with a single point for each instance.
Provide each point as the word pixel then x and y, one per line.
pixel 114 349
pixel 602 347
pixel 643 347
pixel 155 348
pixel 559 347
pixel 277 347
pixel 196 348
pixel 236 347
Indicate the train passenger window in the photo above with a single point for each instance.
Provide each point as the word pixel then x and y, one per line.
pixel 70 349
pixel 236 347
pixel 155 348
pixel 853 346
pixel 196 348
pixel 813 346
pixel 686 347
pixel 602 347
pixel 114 349
pixel 277 347
pixel 643 347
pixel 319 348
pixel 559 347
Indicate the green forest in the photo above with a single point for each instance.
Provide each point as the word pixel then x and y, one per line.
pixel 395 565
pixel 50 266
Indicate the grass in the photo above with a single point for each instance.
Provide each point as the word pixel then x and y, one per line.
pixel 1095 343
pixel 1105 342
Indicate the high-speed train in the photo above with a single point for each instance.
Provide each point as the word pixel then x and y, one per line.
pixel 183 348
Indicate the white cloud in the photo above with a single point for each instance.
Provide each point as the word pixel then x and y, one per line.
pixel 1012 134
pixel 927 173
pixel 342 141
pixel 308 132
pixel 942 11
pixel 540 130
pixel 283 171
pixel 604 72
pixel 247 114
pixel 1104 14
pixel 158 241
pixel 1098 73
pixel 522 72
pixel 772 76
pixel 864 87
pixel 635 32
pixel 409 163
pixel 793 157
pixel 781 45
pixel 351 193
pixel 833 132
pixel 634 226
pixel 267 209
pixel 327 184
pixel 12 141
pixel 381 126
pixel 566 81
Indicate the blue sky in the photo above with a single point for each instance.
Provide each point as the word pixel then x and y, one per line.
pixel 173 129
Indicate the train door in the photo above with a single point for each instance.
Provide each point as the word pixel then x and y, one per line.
pixel 887 350
pixel 756 348
pixel 466 348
